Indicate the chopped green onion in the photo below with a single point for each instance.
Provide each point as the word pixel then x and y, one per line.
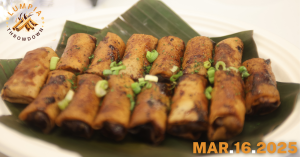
pixel 233 68
pixel 141 79
pixel 132 103
pixel 245 74
pixel 100 92
pixel 69 95
pixel 113 64
pixel 211 79
pixel 211 72
pixel 207 64
pixel 102 84
pixel 173 78
pixel 91 57
pixel 147 69
pixel 220 63
pixel 120 63
pixel 207 92
pixel 107 72
pixel 242 69
pixel 119 67
pixel 65 102
pixel 149 85
pixel 174 68
pixel 151 78
pixel 136 88
pixel 142 83
pixel 210 60
pixel 53 63
pixel 116 72
pixel 151 56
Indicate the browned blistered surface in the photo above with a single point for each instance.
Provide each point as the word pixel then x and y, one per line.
pixel 262 96
pixel 110 49
pixel 76 55
pixel 29 76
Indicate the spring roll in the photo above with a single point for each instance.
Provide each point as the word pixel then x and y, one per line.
pixel 42 112
pixel 78 117
pixel 114 114
pixel 189 112
pixel 227 111
pixel 76 55
pixel 135 54
pixel 29 76
pixel 170 51
pixel 230 51
pixel 262 96
pixel 149 117
pixel 110 49
pixel 198 50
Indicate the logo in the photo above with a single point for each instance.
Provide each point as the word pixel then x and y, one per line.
pixel 26 26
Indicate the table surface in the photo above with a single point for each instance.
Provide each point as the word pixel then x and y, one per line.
pixel 279 17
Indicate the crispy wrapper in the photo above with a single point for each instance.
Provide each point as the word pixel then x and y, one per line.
pixel 135 54
pixel 189 112
pixel 114 114
pixel 29 76
pixel 76 55
pixel 170 51
pixel 230 51
pixel 227 110
pixel 42 112
pixel 78 117
pixel 262 96
pixel 110 49
pixel 198 50
pixel 149 117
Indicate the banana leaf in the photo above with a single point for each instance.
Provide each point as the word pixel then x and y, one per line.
pixel 155 18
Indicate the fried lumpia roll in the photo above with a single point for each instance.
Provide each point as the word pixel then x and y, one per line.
pixel 78 117
pixel 198 50
pixel 43 111
pixel 149 117
pixel 114 114
pixel 189 112
pixel 170 51
pixel 135 54
pixel 76 55
pixel 110 49
pixel 262 96
pixel 230 51
pixel 227 111
pixel 29 76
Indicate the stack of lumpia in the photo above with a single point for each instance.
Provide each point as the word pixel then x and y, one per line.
pixel 76 55
pixel 189 113
pixel 135 54
pixel 43 111
pixel 262 96
pixel 110 49
pixel 227 111
pixel 78 117
pixel 29 76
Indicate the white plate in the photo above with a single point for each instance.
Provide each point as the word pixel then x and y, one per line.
pixel 282 54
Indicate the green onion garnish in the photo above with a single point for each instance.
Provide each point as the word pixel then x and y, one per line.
pixel 116 72
pixel 147 69
pixel 101 87
pixel 220 63
pixel 91 57
pixel 118 68
pixel 113 64
pixel 120 63
pixel 53 63
pixel 65 102
pixel 233 68
pixel 245 74
pixel 207 64
pixel 151 78
pixel 151 56
pixel 211 72
pixel 211 60
pixel 211 79
pixel 107 72
pixel 141 79
pixel 132 103
pixel 136 88
pixel 174 68
pixel 149 85
pixel 173 78
pixel 242 69
pixel 207 92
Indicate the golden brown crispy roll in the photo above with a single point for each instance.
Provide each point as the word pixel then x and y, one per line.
pixel 227 111
pixel 198 50
pixel 135 54
pixel 76 55
pixel 110 49
pixel 189 112
pixel 230 51
pixel 114 114
pixel 262 96
pixel 78 117
pixel 43 111
pixel 170 51
pixel 29 76
pixel 149 117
